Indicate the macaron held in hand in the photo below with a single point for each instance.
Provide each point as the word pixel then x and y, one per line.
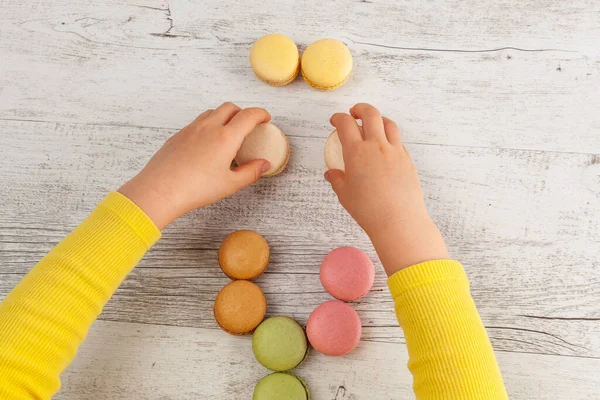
pixel 267 142
pixel 334 153
pixel 334 156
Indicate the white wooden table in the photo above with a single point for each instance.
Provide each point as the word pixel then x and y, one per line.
pixel 499 105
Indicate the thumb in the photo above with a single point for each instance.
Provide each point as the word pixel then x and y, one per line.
pixel 336 178
pixel 247 174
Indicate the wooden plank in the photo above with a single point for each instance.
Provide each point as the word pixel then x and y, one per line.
pixel 124 361
pixel 470 74
pixel 523 222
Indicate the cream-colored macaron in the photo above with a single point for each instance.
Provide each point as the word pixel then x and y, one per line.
pixel 334 157
pixel 268 142
pixel 275 59
pixel 326 64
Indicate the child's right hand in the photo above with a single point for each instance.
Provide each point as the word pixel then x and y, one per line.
pixel 380 189
pixel 193 168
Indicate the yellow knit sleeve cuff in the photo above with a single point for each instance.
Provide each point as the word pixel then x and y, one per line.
pixel 134 216
pixel 424 274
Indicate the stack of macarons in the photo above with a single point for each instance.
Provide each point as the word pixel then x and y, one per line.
pixel 334 327
pixel 325 64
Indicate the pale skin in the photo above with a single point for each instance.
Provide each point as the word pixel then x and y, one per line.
pixel 380 187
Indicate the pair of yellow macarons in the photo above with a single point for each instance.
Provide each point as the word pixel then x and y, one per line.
pixel 325 64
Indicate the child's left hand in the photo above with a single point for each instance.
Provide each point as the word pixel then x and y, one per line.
pixel 193 168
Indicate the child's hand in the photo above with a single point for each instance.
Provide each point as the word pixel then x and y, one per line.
pixel 193 168
pixel 380 189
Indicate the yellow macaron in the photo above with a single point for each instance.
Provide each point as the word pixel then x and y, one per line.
pixel 275 59
pixel 326 64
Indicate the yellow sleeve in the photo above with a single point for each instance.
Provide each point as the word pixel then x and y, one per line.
pixel 47 315
pixel 450 355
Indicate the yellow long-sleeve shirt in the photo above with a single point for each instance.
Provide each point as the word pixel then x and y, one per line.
pixel 47 315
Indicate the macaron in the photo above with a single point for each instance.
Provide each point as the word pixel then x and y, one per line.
pixel 326 64
pixel 347 273
pixel 279 343
pixel 334 328
pixel 268 142
pixel 244 255
pixel 334 157
pixel 240 307
pixel 275 59
pixel 281 386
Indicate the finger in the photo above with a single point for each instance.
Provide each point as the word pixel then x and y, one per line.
pixel 246 120
pixel 224 113
pixel 371 121
pixel 336 178
pixel 203 116
pixel 247 174
pixel 347 128
pixel 407 152
pixel 392 132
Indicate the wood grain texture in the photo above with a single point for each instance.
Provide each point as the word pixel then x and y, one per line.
pixel 517 75
pixel 498 106
pixel 125 361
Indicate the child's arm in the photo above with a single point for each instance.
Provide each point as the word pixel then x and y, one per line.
pixel 450 354
pixel 47 315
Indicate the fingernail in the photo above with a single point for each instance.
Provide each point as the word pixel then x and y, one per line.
pixel 266 166
pixel 327 176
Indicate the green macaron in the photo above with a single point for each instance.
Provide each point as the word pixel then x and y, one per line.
pixel 281 386
pixel 279 344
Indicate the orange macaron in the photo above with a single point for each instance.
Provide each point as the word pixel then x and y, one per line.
pixel 244 255
pixel 240 307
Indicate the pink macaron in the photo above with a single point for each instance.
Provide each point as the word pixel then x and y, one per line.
pixel 347 273
pixel 334 328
